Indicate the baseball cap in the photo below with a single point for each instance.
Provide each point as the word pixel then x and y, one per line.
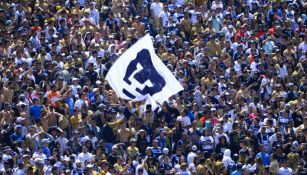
pixel 19 119
pixel 165 151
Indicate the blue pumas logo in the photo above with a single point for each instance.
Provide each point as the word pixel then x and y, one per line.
pixel 143 75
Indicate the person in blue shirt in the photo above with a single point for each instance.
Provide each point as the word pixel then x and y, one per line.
pixel 70 102
pixel 35 110
pixel 156 150
pixel 45 147
pixel 161 140
pixel 272 12
pixel 18 136
pixel 265 157
pixel 238 170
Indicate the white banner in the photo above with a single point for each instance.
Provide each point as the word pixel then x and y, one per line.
pixel 139 74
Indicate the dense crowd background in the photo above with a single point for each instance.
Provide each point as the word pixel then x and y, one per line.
pixel 242 64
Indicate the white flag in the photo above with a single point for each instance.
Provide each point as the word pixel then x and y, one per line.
pixel 139 74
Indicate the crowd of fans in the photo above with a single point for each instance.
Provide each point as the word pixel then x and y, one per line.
pixel 242 64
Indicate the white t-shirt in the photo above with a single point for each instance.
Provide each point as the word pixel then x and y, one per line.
pixel 156 8
pixel 75 89
pixel 204 139
pixel 92 60
pixel 285 171
pixel 217 138
pixel 179 2
pixel 283 71
pixel 186 172
pixel 193 16
pixel 164 15
pixel 95 15
pixel 85 157
pixel 144 170
pixel 101 68
pixel 253 66
pixel 39 156
pixel 184 120
pixel 2 167
pixel 191 157
pixel 78 104
pixel 63 141
pixel 303 46
pixel 227 127
pixel 237 67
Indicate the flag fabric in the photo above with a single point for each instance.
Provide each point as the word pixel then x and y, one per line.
pixel 139 74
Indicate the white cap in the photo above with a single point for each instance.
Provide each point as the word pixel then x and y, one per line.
pixel 95 89
pixel 165 150
pixel 20 119
pixel 75 79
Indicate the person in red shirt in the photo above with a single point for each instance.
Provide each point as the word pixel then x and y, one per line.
pixel 241 33
pixel 53 95
pixel 260 33
pixel 272 30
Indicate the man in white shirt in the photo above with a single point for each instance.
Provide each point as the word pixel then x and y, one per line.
pixel 219 132
pixel 303 45
pixel 85 156
pixel 254 65
pixel 184 119
pixel 94 13
pixel 285 169
pixel 80 102
pixel 62 141
pixel 100 68
pixel 302 49
pixel 192 155
pixel 237 65
pixel 164 16
pixel 227 126
pixel 193 14
pixel 75 86
pixel 178 15
pixel 87 17
pixel 156 8
pixel 230 33
pixel 93 58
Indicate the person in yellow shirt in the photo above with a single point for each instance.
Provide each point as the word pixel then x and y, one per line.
pixel 75 119
pixel 168 56
pixel 197 28
pixel 132 150
pixel 87 27
pixel 208 80
pixel 214 47
pixel 119 164
pixel 186 24
pixel 104 165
